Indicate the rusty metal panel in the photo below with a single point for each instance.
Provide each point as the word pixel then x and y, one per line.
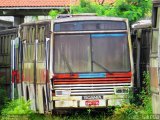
pixel 27 34
pixel 154 79
pixel 41 72
pixel 34 53
pixel 28 72
pixel 42 33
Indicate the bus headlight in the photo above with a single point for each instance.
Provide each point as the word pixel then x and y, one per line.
pixel 63 92
pixel 121 90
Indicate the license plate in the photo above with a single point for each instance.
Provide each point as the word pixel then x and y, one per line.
pixel 93 97
pixel 92 102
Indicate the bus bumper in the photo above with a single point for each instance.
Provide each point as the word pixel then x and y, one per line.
pixel 78 102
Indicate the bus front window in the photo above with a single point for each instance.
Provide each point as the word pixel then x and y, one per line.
pixel 72 53
pixel 111 51
pixel 92 53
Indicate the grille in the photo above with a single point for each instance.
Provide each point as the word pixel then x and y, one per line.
pixel 90 89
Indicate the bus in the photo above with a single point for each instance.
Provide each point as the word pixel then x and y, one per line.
pixel 92 62
pixel 74 61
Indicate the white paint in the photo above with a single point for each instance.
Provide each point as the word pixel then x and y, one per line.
pixel 66 104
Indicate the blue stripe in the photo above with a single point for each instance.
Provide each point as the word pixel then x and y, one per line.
pixel 107 35
pixel 92 75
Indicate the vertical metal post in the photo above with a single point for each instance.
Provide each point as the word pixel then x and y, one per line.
pixel 47 69
pixel 12 69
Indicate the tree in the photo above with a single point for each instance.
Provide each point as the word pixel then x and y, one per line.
pixel 86 6
pixel 131 9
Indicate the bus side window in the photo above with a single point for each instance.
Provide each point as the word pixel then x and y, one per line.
pixel 31 37
pixel 33 43
pixel 24 51
pixel 155 36
pixel 154 47
pixel 38 45
pixel 41 50
pixel 43 43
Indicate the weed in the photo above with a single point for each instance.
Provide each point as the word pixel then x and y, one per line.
pixel 131 111
pixel 17 107
pixel 3 92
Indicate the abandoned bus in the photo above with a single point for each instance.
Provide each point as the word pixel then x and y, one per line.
pixel 92 62
pixel 71 62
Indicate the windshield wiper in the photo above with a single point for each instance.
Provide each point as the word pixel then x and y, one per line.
pixel 66 61
pixel 98 64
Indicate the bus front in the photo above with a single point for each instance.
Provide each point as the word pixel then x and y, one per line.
pixel 92 62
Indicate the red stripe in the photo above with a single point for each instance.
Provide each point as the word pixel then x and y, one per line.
pixel 92 81
pixel 103 79
pixel 129 74
pixel 65 76
pixel 108 75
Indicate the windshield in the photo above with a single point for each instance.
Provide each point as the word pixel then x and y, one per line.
pixel 111 51
pixel 91 53
pixel 77 52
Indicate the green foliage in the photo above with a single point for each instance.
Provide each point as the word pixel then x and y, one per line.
pixel 3 93
pixel 17 107
pixel 54 13
pixel 128 111
pixel 125 112
pixel 82 114
pixel 145 94
pixel 3 98
pixel 89 7
pixel 131 9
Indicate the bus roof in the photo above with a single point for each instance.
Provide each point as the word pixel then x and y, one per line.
pixel 36 22
pixel 156 2
pixel 142 24
pixel 82 18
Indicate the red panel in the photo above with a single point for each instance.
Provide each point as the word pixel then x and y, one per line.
pixel 111 78
pixel 128 74
pixel 65 76
pixel 15 76
pixel 109 75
